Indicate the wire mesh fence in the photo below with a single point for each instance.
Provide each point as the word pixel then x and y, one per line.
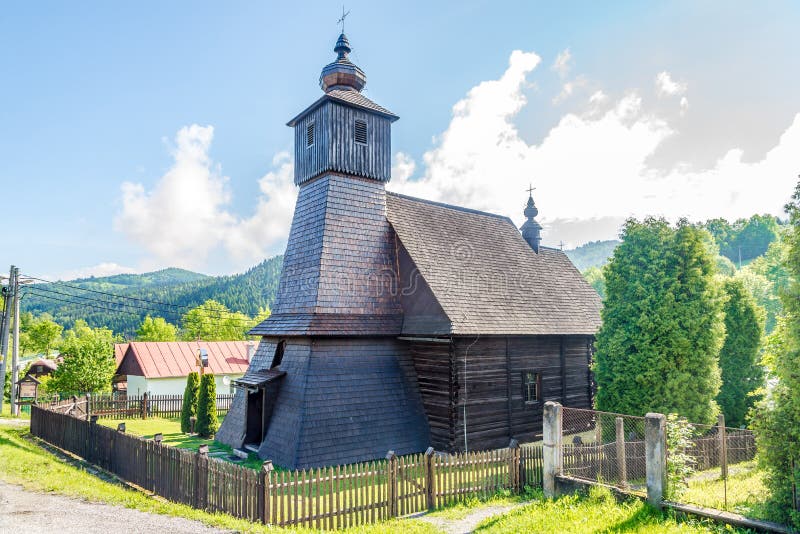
pixel 604 447
pixel 712 466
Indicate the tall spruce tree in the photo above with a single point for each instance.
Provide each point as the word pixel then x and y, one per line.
pixel 207 422
pixel 777 419
pixel 739 364
pixel 662 324
pixel 189 406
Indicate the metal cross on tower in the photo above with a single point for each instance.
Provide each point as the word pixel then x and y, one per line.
pixel 341 20
pixel 531 189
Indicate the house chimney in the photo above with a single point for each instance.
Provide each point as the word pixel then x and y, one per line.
pixel 251 351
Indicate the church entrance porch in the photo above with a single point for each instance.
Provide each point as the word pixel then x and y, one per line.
pixel 262 390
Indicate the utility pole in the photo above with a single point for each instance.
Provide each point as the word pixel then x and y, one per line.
pixel 15 349
pixel 4 335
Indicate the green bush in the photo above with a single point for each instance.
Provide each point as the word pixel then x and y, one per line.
pixel 207 422
pixel 189 407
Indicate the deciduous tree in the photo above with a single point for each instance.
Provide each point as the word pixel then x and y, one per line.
pixel 156 329
pixel 88 364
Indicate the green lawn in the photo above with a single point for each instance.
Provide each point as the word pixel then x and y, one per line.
pixel 598 512
pixel 745 489
pixel 7 411
pixel 171 429
pixel 26 464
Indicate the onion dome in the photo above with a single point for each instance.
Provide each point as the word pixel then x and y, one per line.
pixel 342 74
pixel 531 230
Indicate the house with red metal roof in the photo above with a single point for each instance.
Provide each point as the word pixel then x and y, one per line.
pixel 161 368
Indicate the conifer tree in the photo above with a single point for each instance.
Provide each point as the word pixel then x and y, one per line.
pixel 189 407
pixel 662 324
pixel 207 422
pixel 777 418
pixel 739 364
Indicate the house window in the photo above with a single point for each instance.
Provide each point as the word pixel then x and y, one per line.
pixel 361 132
pixel 278 358
pixel 531 386
pixel 309 134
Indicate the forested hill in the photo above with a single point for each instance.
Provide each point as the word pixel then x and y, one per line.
pixel 168 293
pixel 592 254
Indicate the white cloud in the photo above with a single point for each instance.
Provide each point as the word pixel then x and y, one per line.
pixel 591 166
pixel 666 86
pixel 99 270
pixel 598 97
pixel 684 105
pixel 185 217
pixel 561 64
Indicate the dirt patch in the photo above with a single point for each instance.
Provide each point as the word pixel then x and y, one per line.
pixel 26 511
pixel 468 523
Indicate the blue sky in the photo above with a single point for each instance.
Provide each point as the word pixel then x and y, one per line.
pixel 671 108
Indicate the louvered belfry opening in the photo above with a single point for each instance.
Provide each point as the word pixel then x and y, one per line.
pixel 310 134
pixel 360 131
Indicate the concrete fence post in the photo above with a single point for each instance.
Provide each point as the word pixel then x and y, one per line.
pixel 655 442
pixel 552 450
pixel 622 462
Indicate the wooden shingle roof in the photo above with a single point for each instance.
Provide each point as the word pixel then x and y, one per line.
pixel 486 278
pixel 177 358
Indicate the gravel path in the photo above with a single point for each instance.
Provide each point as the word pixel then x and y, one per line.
pixel 26 511
pixel 467 524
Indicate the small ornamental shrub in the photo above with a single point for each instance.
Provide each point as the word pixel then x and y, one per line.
pixel 189 407
pixel 207 422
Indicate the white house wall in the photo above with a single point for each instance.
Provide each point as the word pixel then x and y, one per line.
pixel 172 385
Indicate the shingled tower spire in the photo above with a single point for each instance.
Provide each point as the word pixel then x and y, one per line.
pixel 319 400
pixel 531 230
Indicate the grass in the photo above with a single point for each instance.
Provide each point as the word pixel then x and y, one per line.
pixel 599 512
pixel 746 490
pixel 28 465
pixel 170 428
pixel 7 411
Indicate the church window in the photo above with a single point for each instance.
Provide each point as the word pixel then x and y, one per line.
pixel 278 358
pixel 310 134
pixel 531 386
pixel 361 132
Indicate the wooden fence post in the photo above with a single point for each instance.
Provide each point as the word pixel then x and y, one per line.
pixel 88 406
pixel 430 489
pixel 622 466
pixel 201 477
pixel 144 406
pixel 265 495
pixel 552 449
pixel 391 479
pixel 514 465
pixel 723 446
pixel 655 443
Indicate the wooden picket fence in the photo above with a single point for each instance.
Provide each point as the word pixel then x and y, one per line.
pixel 134 406
pixel 323 498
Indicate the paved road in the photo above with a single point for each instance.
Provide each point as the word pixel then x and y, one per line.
pixel 23 511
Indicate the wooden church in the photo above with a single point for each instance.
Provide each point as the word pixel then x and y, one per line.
pixel 402 323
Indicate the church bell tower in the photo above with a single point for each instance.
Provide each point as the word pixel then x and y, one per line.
pixel 338 272
pixel 343 131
